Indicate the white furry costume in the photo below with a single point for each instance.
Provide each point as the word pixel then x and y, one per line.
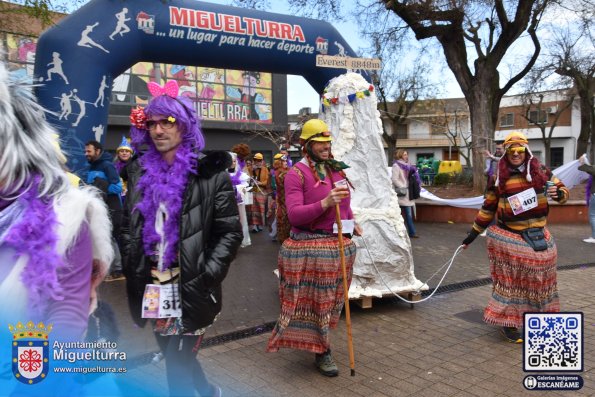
pixel 50 262
pixel 74 208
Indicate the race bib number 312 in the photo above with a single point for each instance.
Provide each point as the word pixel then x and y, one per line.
pixel 161 301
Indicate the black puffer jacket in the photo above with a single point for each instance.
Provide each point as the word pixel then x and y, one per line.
pixel 210 235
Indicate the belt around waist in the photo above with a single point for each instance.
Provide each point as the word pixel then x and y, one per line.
pixel 519 232
pixel 323 232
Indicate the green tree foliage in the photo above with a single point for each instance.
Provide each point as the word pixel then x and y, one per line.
pixel 40 10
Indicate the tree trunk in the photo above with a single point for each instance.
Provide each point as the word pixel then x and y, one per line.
pixel 391 143
pixel 587 127
pixel 482 129
pixel 547 145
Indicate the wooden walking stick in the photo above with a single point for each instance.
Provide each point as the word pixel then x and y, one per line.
pixel 345 290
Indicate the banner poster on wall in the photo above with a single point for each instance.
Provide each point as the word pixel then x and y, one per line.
pixel 217 94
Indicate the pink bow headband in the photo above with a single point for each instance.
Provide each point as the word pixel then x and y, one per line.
pixel 138 117
pixel 170 89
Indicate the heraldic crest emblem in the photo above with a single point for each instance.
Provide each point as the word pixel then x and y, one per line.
pixel 30 351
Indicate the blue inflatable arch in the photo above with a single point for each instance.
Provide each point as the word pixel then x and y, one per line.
pixel 78 59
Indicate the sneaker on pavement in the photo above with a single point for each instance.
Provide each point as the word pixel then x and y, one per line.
pixel 589 240
pixel 326 365
pixel 511 334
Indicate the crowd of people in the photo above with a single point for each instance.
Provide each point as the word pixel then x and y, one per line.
pixel 174 219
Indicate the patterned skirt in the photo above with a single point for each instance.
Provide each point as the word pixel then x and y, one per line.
pixel 310 291
pixel 523 280
pixel 255 212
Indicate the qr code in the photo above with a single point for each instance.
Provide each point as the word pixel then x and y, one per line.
pixel 553 342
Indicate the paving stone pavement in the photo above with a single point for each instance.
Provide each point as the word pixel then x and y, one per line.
pixel 440 347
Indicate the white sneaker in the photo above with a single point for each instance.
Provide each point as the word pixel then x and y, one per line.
pixel 589 240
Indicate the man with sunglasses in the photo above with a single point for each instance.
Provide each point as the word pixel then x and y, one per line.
pixel 183 231
pixel 521 251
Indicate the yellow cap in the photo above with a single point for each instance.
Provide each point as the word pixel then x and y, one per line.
pixel 280 156
pixel 515 137
pixel 258 156
pixel 316 130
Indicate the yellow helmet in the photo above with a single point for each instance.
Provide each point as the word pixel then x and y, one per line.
pixel 316 130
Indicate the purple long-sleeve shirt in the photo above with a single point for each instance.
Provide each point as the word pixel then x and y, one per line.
pixel 72 312
pixel 69 316
pixel 303 201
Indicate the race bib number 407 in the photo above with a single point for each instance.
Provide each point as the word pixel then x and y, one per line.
pixel 161 301
pixel 523 201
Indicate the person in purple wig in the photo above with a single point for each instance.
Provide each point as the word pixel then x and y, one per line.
pixel 181 232
pixel 589 195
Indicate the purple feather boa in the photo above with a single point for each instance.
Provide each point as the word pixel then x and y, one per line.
pixel 119 164
pixel 35 235
pixel 164 183
pixel 236 179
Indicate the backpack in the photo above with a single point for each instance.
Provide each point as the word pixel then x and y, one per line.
pixel 414 188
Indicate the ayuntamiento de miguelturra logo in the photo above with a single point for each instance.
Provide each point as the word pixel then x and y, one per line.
pixel 30 351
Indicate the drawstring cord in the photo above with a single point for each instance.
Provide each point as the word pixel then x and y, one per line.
pixel 449 263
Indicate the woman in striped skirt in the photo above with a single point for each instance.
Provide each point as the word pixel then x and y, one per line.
pixel 311 281
pixel 523 274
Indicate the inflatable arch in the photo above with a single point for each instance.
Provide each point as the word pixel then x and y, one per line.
pixel 78 59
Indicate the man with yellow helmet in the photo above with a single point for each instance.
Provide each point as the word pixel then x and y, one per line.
pixel 280 225
pixel 311 290
pixel 260 182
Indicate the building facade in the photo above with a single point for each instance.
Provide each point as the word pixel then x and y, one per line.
pixel 441 129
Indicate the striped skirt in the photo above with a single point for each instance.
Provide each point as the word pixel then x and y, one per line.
pixel 310 291
pixel 523 280
pixel 255 212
